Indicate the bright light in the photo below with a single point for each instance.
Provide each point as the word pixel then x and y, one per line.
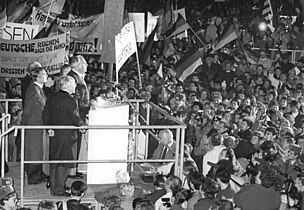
pixel 262 26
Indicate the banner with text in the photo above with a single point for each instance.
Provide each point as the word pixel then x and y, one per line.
pixel 125 44
pixel 17 31
pixel 85 33
pixel 15 56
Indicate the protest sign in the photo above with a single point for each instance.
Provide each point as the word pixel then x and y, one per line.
pixel 17 31
pixel 15 56
pixel 139 22
pixel 125 44
pixel 85 33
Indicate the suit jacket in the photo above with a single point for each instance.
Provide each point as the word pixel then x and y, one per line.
pixel 73 204
pixel 62 109
pixel 32 115
pixel 82 94
pixel 159 150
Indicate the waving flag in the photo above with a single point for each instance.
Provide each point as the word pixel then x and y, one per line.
pixel 179 26
pixel 268 14
pixel 229 36
pixel 187 64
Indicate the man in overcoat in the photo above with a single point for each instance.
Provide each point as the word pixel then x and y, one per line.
pixel 32 115
pixel 62 109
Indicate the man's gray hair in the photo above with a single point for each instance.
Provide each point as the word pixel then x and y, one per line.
pixel 65 81
pixel 75 60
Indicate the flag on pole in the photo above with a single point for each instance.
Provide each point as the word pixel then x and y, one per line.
pixel 187 64
pixel 267 14
pixel 56 7
pixel 229 36
pixel 3 15
pixel 178 27
pixel 145 59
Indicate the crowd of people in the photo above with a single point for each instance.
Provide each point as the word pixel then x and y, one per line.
pixel 244 113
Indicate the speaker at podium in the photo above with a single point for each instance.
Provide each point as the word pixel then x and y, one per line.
pixel 104 144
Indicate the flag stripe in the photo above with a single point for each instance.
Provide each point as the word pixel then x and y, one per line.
pixel 267 12
pixel 145 59
pixel 186 63
pixel 179 26
pixel 228 37
pixel 187 72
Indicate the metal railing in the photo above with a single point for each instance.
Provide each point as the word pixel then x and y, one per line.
pixel 7 102
pixel 179 151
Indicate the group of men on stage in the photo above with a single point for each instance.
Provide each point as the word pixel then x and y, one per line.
pixel 64 103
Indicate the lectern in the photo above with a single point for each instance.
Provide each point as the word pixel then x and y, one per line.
pixel 107 144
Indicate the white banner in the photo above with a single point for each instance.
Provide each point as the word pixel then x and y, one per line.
pixel 139 22
pixel 15 56
pixel 85 33
pixel 17 31
pixel 125 44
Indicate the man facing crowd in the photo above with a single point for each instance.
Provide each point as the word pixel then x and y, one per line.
pixel 78 71
pixel 63 144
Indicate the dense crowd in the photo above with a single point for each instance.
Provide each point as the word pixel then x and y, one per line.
pixel 244 113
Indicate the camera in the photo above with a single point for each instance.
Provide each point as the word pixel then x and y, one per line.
pixel 166 202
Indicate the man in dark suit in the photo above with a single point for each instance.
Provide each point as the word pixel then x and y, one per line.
pixel 79 68
pixel 26 81
pixel 63 143
pixel 32 115
pixel 165 150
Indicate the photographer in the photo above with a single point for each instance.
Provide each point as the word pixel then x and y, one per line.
pixel 201 143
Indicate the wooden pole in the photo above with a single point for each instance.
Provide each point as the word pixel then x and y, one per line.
pixel 138 67
pixel 199 39
pixel 48 14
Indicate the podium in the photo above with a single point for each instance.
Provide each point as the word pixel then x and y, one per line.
pixel 107 144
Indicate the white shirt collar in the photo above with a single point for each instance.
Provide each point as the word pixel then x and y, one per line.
pixel 40 85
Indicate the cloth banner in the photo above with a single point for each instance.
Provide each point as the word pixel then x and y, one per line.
pixel 85 33
pixel 125 44
pixel 15 56
pixel 17 31
pixel 139 22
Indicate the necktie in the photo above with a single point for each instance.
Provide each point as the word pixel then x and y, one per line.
pixel 164 153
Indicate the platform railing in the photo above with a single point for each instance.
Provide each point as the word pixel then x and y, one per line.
pixel 179 128
pixel 5 121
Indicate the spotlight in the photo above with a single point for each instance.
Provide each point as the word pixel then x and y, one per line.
pixel 262 26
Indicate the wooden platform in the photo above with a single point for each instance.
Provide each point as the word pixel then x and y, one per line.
pixel 35 193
